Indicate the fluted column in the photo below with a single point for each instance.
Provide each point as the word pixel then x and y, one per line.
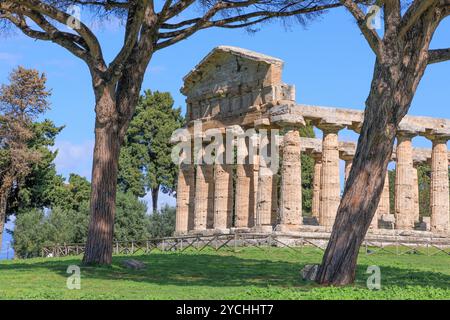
pixel 439 198
pixel 415 192
pixel 404 183
pixel 266 202
pixel 291 183
pixel 223 197
pixel 185 195
pixel 384 204
pixel 204 190
pixel 316 185
pixel 244 173
pixel 348 165
pixel 330 182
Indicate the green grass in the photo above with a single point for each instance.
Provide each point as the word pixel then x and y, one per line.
pixel 251 273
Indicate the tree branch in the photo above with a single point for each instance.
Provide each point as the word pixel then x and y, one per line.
pixel 62 17
pixel 205 21
pixel 134 25
pixel 69 41
pixel 413 14
pixel 371 35
pixel 438 55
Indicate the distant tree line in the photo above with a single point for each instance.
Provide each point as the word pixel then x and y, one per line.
pixel 50 210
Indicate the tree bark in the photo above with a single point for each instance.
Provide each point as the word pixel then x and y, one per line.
pixel 357 209
pixel 398 70
pixel 155 194
pixel 104 180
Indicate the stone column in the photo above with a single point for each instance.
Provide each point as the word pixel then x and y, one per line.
pixel 439 198
pixel 348 165
pixel 316 185
pixel 223 193
pixel 330 183
pixel 291 183
pixel 244 173
pixel 404 183
pixel 384 204
pixel 185 191
pixel 223 197
pixel 266 195
pixel 204 190
pixel 415 192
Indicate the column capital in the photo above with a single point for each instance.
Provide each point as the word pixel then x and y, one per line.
pixel 346 156
pixel 405 135
pixel 317 156
pixel 327 127
pixel 438 137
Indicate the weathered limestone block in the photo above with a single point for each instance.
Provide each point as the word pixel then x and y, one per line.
pixel 439 198
pixel 223 197
pixel 330 180
pixel 291 183
pixel 404 183
pixel 309 272
pixel 185 195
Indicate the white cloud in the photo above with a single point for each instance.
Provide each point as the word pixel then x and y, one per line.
pixel 74 158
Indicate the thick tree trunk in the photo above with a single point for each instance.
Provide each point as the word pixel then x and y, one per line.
pixel 3 204
pixel 385 107
pixel 155 193
pixel 104 181
pixel 398 70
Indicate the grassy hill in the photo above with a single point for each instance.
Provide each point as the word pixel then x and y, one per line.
pixel 250 273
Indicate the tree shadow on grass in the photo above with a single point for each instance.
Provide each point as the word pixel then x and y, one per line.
pixel 222 271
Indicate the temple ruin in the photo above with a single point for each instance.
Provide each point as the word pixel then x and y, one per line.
pixel 237 87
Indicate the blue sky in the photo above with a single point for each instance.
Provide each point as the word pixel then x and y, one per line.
pixel 329 62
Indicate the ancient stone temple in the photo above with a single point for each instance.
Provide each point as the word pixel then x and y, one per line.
pixel 236 100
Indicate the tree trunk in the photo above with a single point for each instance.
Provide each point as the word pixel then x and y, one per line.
pixel 104 181
pixel 155 193
pixel 387 104
pixel 3 204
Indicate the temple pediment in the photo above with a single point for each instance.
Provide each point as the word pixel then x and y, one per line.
pixel 231 82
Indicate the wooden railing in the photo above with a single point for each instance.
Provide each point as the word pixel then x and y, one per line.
pixel 393 245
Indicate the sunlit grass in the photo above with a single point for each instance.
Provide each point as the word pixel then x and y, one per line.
pixel 250 273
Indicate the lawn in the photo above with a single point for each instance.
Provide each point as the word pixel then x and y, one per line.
pixel 250 273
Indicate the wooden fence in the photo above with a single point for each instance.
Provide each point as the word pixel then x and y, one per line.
pixel 233 242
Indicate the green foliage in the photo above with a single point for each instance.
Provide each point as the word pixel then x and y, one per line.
pixel 249 273
pixel 131 222
pixel 69 223
pixel 307 173
pixel 162 223
pixel 38 186
pixel 145 162
pixel 29 234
